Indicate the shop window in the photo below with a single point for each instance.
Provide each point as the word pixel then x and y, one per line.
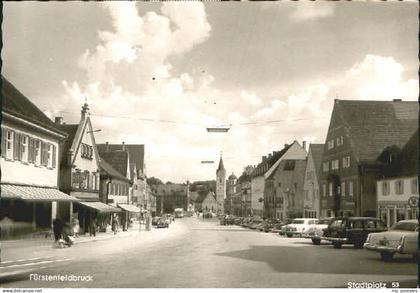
pixel 399 187
pixel 400 214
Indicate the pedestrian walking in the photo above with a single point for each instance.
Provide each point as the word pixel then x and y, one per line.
pixel 76 227
pixel 92 230
pixel 114 223
pixel 57 229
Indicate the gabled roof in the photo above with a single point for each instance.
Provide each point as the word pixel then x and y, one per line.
pixel 200 198
pixel 374 125
pixel 298 170
pixel 316 150
pixel 71 130
pixel 136 152
pixel 270 160
pixel 406 161
pixel 118 160
pixel 107 169
pixel 17 104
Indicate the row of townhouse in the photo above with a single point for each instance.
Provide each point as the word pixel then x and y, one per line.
pixel 368 166
pixel 56 170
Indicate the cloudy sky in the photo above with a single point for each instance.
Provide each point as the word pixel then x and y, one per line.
pixel 160 73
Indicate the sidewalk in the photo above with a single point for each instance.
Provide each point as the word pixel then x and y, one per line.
pixel 27 248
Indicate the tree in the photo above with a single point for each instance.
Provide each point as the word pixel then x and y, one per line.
pixel 154 181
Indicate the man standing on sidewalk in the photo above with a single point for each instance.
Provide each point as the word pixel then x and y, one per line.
pixel 92 230
pixel 57 229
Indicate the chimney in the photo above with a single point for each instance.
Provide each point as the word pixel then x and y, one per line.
pixel 397 100
pixel 286 145
pixel 304 144
pixel 107 146
pixel 58 120
pixel 264 158
pixel 269 155
pixel 123 146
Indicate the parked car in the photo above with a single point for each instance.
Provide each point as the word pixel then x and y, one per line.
pixel 227 220
pixel 401 238
pixel 284 226
pixel 299 226
pixel 276 227
pixel 315 232
pixel 155 221
pixel 352 230
pixel 162 223
pixel 255 223
pixel 238 220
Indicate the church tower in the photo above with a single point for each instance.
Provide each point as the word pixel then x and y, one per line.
pixel 220 186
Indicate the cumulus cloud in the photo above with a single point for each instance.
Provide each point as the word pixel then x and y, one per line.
pixel 378 77
pixel 135 97
pixel 305 113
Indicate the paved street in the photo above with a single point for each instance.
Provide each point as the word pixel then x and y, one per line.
pixel 200 253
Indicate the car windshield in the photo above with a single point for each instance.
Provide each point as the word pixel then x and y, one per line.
pixel 405 226
pixel 298 221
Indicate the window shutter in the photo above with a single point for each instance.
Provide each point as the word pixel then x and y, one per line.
pixel 30 149
pixel 3 142
pixel 54 153
pixel 43 154
pixel 16 145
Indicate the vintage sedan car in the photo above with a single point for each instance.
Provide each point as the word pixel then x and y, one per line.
pixel 162 223
pixel 155 221
pixel 316 231
pixel 401 238
pixel 284 226
pixel 300 226
pixel 352 230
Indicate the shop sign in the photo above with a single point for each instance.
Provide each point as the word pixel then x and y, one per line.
pixel 413 201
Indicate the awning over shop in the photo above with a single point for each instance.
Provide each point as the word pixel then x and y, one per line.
pixel 33 193
pixel 100 206
pixel 129 208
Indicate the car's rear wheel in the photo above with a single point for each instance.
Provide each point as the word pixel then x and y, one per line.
pixel 336 244
pixel 386 255
pixel 289 235
pixel 316 241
